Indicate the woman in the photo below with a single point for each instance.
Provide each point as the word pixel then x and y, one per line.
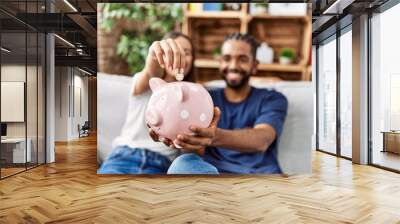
pixel 134 151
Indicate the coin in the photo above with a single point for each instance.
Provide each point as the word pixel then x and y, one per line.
pixel 179 76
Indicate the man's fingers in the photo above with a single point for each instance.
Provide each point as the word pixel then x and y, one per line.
pixel 206 131
pixel 203 132
pixel 216 117
pixel 167 142
pixel 193 140
pixel 168 53
pixel 187 146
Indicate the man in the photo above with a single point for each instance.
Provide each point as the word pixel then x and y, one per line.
pixel 251 120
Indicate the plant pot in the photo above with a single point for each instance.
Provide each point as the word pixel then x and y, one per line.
pixel 256 10
pixel 285 60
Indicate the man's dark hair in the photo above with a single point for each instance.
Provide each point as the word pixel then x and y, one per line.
pixel 246 38
pixel 175 34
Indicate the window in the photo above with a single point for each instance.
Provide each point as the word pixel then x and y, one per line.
pixel 346 93
pixel 22 78
pixel 385 89
pixel 327 96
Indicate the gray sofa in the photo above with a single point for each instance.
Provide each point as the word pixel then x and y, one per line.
pixel 295 144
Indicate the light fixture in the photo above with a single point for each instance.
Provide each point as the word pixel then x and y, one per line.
pixel 86 72
pixel 64 40
pixel 70 5
pixel 5 50
pixel 337 7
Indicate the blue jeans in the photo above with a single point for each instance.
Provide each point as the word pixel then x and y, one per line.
pixel 126 160
pixel 191 163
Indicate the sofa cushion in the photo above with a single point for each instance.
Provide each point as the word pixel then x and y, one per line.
pixel 112 104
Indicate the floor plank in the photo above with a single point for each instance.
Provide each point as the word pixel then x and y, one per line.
pixel 69 191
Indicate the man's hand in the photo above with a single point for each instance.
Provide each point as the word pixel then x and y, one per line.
pixel 202 137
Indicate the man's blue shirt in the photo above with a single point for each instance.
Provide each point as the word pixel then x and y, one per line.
pixel 262 106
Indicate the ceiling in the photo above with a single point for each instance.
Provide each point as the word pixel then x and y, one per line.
pixel 330 15
pixel 73 20
pixel 76 22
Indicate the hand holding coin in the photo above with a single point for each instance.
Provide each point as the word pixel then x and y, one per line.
pixel 167 54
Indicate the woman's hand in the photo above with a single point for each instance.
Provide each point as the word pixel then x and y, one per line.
pixel 165 54
pixel 157 138
pixel 164 57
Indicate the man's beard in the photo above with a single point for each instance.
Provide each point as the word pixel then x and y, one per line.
pixel 245 76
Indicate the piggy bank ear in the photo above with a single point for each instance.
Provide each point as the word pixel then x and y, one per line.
pixel 181 93
pixel 156 83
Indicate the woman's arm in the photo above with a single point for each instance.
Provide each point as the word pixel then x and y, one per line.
pixel 142 82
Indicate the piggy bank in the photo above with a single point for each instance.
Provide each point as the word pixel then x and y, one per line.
pixel 174 107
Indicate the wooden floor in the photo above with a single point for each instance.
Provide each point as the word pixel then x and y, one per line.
pixel 5 172
pixel 387 159
pixel 69 191
pixel 10 171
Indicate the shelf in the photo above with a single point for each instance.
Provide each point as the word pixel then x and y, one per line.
pixel 206 63
pixel 216 14
pixel 266 16
pixel 275 67
pixel 238 15
pixel 208 29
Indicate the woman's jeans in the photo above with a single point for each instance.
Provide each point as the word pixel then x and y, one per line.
pixel 126 160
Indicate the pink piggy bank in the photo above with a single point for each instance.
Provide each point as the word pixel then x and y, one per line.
pixel 174 106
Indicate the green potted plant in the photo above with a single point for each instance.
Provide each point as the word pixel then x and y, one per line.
pixel 144 24
pixel 287 56
pixel 217 52
pixel 258 8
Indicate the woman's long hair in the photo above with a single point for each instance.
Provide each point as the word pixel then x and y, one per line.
pixel 175 34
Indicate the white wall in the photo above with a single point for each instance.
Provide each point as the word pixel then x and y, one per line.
pixel 70 83
pixel 62 80
pixel 12 73
pixel 33 126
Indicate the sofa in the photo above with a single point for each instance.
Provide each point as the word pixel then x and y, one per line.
pixel 295 146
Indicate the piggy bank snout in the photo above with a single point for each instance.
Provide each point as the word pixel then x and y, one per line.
pixel 153 118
